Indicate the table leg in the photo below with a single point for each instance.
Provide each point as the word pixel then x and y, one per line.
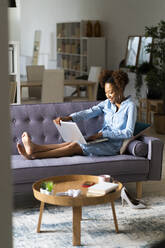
pixel 78 91
pixel 40 216
pixel 20 93
pixel 77 212
pixel 139 190
pixel 114 216
pixel 89 92
pixel 81 214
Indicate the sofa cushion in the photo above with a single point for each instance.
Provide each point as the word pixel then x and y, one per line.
pixel 139 130
pixel 28 171
pixel 137 148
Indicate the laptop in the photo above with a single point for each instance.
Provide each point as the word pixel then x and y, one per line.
pixel 71 132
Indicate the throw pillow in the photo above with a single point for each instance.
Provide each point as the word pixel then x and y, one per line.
pixel 140 129
pixel 137 148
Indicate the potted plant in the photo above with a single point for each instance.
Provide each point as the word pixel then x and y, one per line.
pixel 46 187
pixel 141 71
pixel 155 70
pixel 157 49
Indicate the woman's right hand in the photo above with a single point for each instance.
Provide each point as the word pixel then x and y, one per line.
pixel 66 118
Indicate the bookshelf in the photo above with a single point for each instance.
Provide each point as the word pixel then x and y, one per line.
pixel 76 53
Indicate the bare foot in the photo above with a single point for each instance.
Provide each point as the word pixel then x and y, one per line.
pixel 29 146
pixel 21 151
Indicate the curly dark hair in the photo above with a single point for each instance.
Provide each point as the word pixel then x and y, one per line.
pixel 119 79
pixel 104 76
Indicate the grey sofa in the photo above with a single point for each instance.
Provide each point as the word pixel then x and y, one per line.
pixel 37 120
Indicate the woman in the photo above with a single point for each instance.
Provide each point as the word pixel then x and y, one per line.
pixel 119 121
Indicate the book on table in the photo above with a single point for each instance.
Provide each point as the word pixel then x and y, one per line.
pixel 101 188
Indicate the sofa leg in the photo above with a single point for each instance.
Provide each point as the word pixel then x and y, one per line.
pixel 139 190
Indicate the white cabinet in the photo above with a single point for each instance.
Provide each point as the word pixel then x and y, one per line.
pixel 77 53
pixel 93 53
pixel 14 65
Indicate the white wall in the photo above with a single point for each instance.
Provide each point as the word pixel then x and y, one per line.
pixel 14 22
pixel 121 18
pixel 5 171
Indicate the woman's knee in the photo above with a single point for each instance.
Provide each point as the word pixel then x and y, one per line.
pixel 76 147
pixel 74 144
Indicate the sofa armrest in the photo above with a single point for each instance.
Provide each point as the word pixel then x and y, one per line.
pixel 155 155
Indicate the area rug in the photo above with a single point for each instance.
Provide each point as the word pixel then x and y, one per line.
pixel 137 228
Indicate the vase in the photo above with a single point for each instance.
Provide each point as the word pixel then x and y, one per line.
pixel 89 29
pixel 45 191
pixel 97 29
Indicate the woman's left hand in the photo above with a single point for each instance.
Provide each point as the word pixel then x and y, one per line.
pixel 94 137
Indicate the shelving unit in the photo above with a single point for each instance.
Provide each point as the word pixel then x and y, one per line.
pixel 76 53
pixel 147 108
pixel 14 65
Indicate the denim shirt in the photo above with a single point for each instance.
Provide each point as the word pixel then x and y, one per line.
pixel 117 124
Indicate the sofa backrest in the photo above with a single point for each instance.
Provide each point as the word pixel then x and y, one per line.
pixel 37 120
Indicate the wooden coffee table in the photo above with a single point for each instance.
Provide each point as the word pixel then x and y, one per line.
pixel 63 183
